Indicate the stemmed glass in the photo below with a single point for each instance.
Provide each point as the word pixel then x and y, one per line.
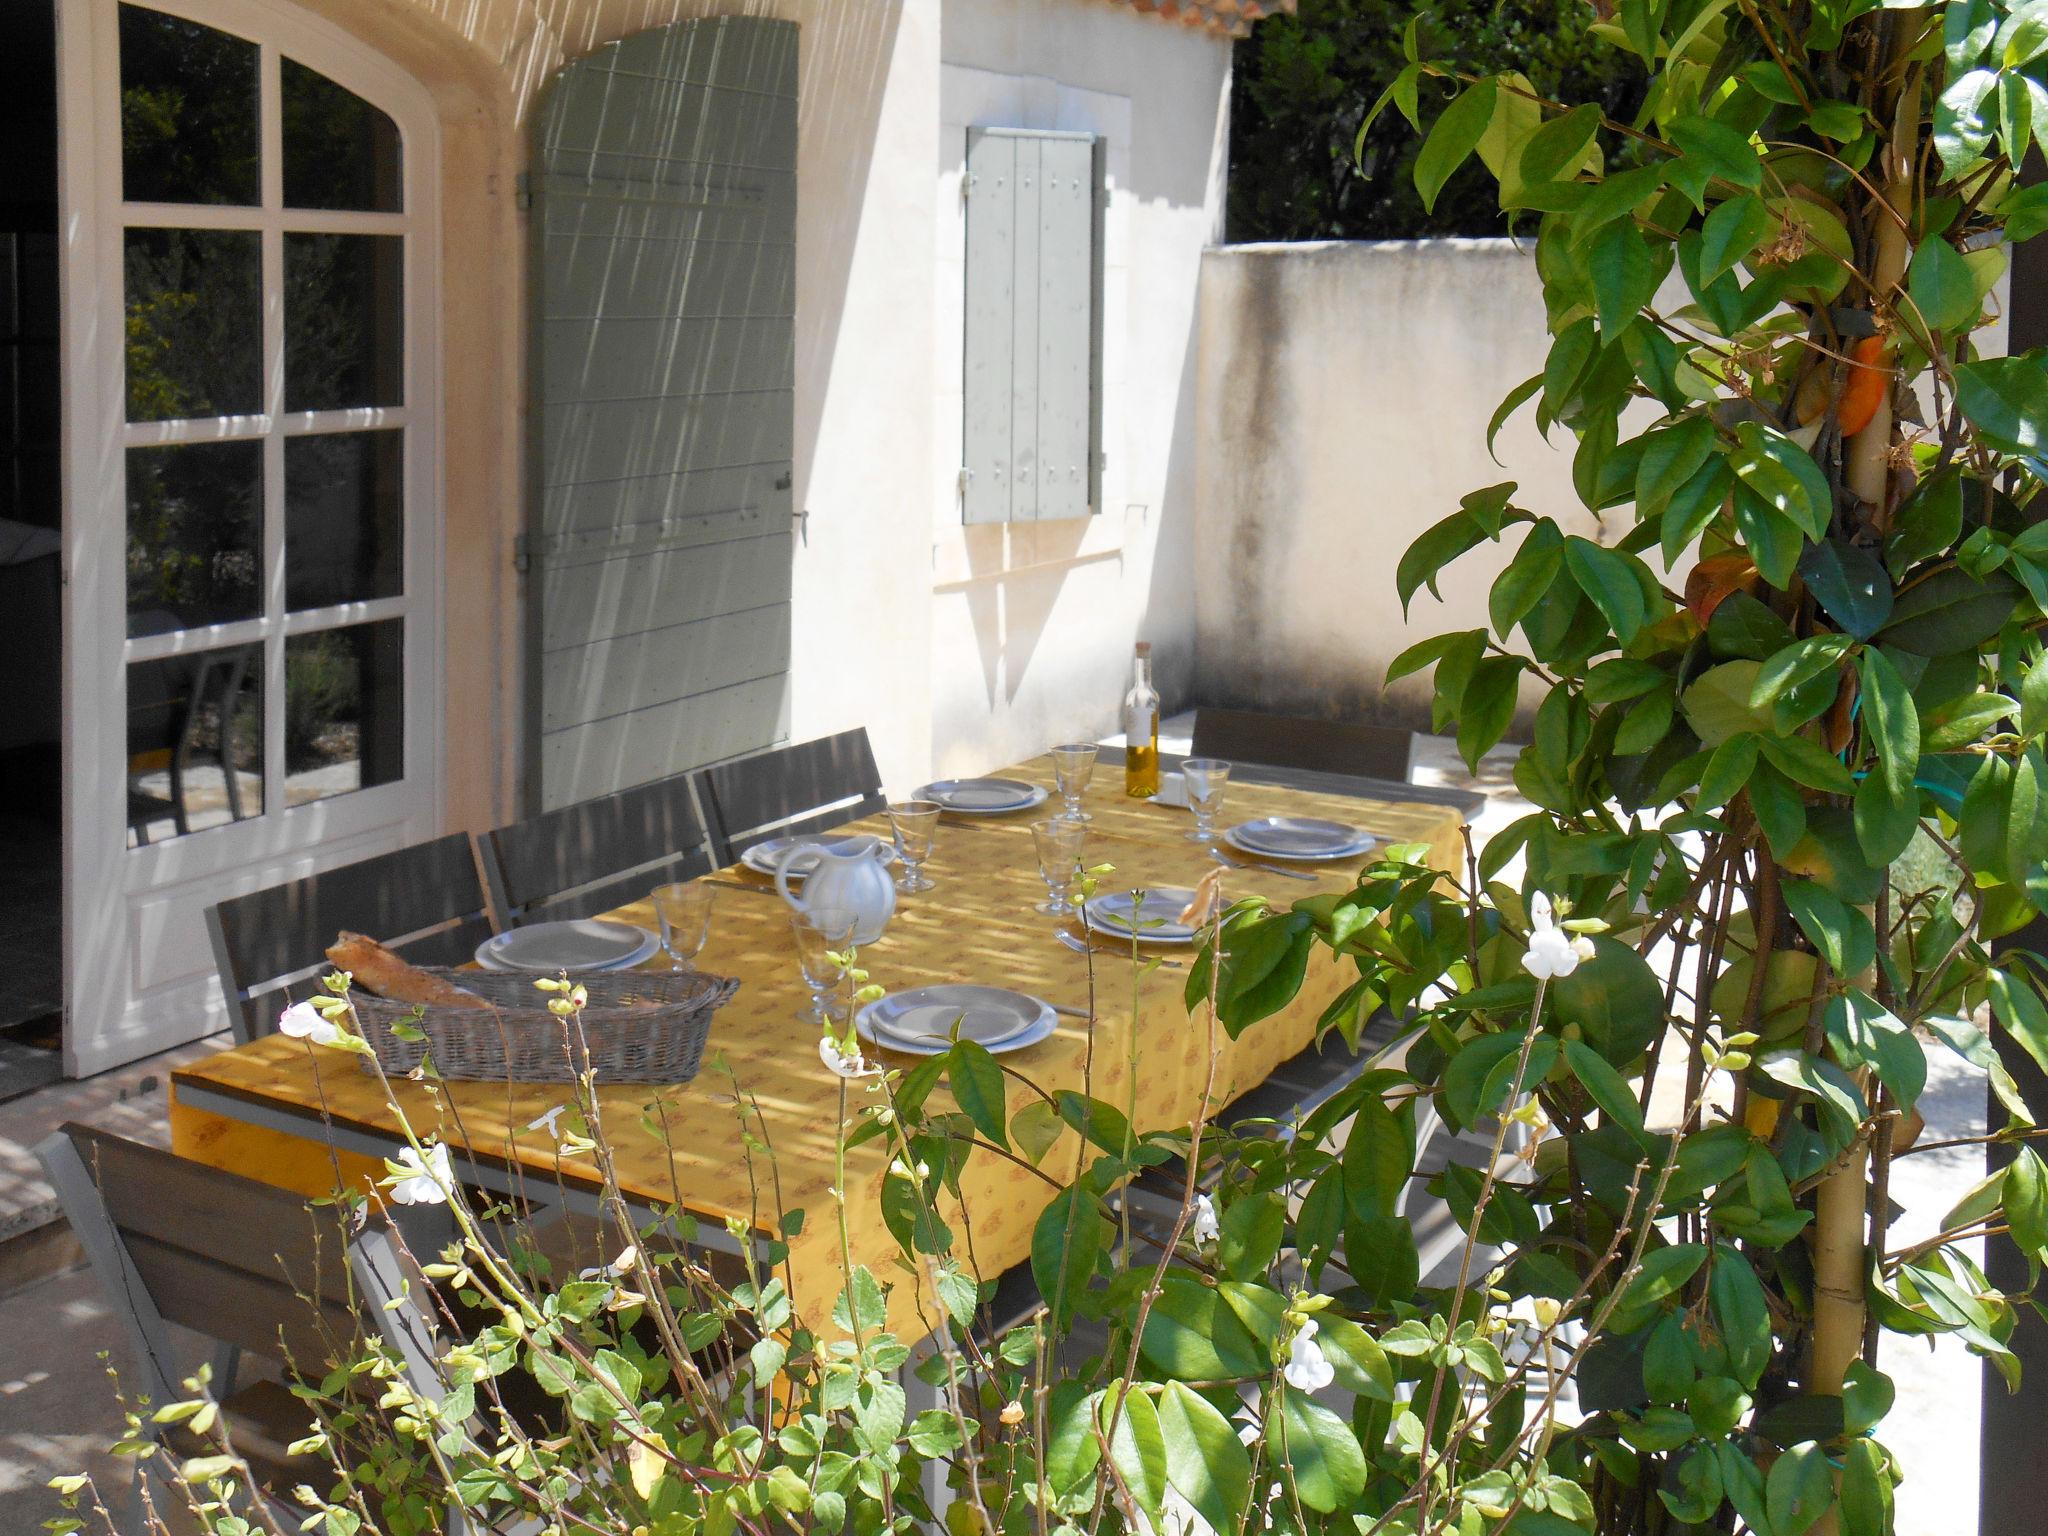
pixel 1059 843
pixel 914 822
pixel 685 914
pixel 1205 777
pixel 821 932
pixel 1073 765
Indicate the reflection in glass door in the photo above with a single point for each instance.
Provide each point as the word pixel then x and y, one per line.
pixel 259 223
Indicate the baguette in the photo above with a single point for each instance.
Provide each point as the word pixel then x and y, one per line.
pixel 376 969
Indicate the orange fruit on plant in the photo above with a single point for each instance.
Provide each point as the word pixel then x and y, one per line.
pixel 1869 378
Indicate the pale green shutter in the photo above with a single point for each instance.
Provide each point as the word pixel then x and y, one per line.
pixel 665 218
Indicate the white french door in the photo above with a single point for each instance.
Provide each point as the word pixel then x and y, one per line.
pixel 251 497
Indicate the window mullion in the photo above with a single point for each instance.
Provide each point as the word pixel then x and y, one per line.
pixel 271 141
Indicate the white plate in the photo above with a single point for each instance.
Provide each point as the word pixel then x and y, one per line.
pixel 1110 914
pixel 920 1022
pixel 585 945
pixel 1298 837
pixel 984 797
pixel 763 856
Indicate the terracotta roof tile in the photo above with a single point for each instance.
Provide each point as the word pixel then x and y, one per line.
pixel 1226 18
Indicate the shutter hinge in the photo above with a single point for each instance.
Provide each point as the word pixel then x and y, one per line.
pixel 522 191
pixel 966 478
pixel 522 554
pixel 802 520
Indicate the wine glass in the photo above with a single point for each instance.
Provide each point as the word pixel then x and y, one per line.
pixel 1205 777
pixel 914 822
pixel 1073 765
pixel 1059 843
pixel 821 932
pixel 685 914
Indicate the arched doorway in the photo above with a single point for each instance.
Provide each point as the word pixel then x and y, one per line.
pixel 252 505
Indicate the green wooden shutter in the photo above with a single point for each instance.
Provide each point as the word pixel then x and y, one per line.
pixel 1030 424
pixel 665 219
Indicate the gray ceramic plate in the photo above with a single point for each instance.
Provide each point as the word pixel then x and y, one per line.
pixel 1298 837
pixel 585 945
pixel 921 1021
pixel 1157 921
pixel 984 797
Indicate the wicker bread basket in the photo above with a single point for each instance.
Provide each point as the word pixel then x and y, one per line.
pixel 640 1027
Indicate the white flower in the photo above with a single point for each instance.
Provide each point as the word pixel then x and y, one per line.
pixel 840 1063
pixel 302 1021
pixel 425 1181
pixel 1306 1369
pixel 1203 1227
pixel 547 1121
pixel 1553 953
pixel 614 1270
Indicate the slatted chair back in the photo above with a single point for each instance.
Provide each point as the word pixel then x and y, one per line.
pixel 1288 741
pixel 810 787
pixel 176 1242
pixel 426 902
pixel 597 854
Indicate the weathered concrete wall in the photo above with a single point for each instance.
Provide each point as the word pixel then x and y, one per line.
pixel 1343 397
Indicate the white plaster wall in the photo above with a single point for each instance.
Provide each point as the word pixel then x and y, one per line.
pixel 1031 624
pixel 1344 398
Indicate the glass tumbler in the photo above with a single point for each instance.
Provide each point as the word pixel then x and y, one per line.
pixel 685 915
pixel 1073 765
pixel 914 822
pixel 822 932
pixel 1206 777
pixel 1059 844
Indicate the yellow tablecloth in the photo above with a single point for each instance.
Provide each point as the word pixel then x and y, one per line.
pixel 684 1144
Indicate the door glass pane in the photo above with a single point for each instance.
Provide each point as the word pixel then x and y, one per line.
pixel 195 535
pixel 344 313
pixel 344 514
pixel 188 112
pixel 344 710
pixel 195 743
pixel 195 323
pixel 339 151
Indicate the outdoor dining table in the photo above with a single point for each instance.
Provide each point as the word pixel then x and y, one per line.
pixel 755 1133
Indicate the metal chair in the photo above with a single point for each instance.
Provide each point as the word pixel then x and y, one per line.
pixel 596 854
pixel 1288 741
pixel 426 902
pixel 809 787
pixel 247 1265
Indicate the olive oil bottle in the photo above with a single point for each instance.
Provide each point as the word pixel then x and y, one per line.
pixel 1141 729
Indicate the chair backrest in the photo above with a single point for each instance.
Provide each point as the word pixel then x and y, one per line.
pixel 809 787
pixel 426 902
pixel 177 1242
pixel 1287 741
pixel 596 854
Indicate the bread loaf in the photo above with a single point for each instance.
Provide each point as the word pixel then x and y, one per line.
pixel 376 969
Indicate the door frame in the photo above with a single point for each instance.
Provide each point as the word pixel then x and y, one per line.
pixel 103 972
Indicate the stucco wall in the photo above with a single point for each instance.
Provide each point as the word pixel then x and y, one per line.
pixel 1344 394
pixel 955 652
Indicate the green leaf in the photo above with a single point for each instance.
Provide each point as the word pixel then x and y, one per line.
pixel 1452 138
pixel 1206 1463
pixel 1709 149
pixel 1672 456
pixel 1799 1489
pixel 1839 932
pixel 1625 275
pixel 1378 1158
pixel 1850 583
pixel 1423 560
pixel 1734 229
pixel 1485 711
pixel 1740 1308
pixel 1517 397
pixel 2026 1202
pixel 1070 1237
pixel 1726 772
pixel 1319 1454
pixel 1744 627
pixel 1867 1396
pixel 1662 1272
pixel 1608 1089
pixel 1615 999
pixel 2020 1012
pixel 1891 724
pixel 1558 148
pixel 1930 522
pixel 1252 1230
pixel 1137 1447
pixel 1717 704
pixel 1516 115
pixel 1610 580
pixel 1866 1491
pixel 1072 1448
pixel 1942 287
pixel 2006 400
pixel 1772 538
pixel 977 1084
pixel 1960 130
pixel 1784 475
pixel 1528 576
pixel 1355 1355
pixel 1950 612
pixel 1799 663
pixel 1193 1335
